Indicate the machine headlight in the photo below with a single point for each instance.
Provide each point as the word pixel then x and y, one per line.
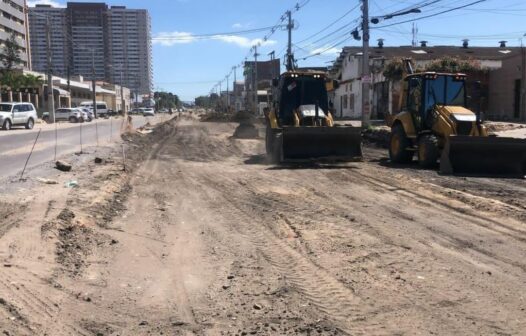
pixel 464 117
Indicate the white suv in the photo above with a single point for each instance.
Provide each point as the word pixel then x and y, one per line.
pixel 17 114
pixel 73 115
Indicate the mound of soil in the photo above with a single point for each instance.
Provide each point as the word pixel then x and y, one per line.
pixel 494 127
pixel 378 136
pixel 217 117
pixel 246 131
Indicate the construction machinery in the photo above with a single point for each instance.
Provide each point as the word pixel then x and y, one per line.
pixel 435 123
pixel 300 126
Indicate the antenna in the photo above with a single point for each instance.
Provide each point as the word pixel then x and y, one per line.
pixel 415 34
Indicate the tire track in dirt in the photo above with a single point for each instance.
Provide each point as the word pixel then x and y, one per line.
pixel 332 298
pixel 41 312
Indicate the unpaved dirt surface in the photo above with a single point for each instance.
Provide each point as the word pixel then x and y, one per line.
pixel 200 236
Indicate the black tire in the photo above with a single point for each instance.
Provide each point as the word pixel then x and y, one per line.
pixel 277 143
pixel 73 120
pixel 45 119
pixel 269 140
pixel 398 144
pixel 30 124
pixel 7 125
pixel 428 152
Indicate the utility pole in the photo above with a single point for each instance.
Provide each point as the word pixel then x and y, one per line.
pixel 366 75
pixel 51 96
pixel 234 87
pixel 227 92
pixel 123 102
pixel 290 57
pixel 523 82
pixel 256 79
pixel 93 84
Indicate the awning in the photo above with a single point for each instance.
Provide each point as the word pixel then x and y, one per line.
pixel 60 92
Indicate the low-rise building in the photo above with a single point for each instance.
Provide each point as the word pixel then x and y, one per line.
pixel 385 94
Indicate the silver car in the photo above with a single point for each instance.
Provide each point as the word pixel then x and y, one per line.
pixel 17 114
pixel 73 115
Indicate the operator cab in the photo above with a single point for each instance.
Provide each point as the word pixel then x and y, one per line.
pixel 430 89
pixel 302 97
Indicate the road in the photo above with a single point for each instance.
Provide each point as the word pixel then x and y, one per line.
pixel 204 237
pixel 16 144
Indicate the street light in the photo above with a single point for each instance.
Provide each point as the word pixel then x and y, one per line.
pixel 119 67
pixel 377 19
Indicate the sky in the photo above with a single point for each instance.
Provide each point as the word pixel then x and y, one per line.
pixel 190 65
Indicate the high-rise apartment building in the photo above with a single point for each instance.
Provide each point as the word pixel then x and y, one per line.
pixel 13 19
pixel 112 44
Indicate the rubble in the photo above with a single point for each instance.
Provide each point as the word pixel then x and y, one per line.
pixel 63 166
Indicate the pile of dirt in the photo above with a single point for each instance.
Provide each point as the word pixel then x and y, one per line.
pixel 215 116
pixel 246 131
pixel 75 241
pixel 378 136
pixel 494 126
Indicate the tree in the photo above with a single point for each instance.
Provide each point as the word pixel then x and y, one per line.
pixel 166 100
pixel 207 101
pixel 11 54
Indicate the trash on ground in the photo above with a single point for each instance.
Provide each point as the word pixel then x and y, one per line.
pixel 46 181
pixel 72 184
pixel 63 166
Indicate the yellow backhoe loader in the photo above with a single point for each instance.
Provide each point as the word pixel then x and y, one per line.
pixel 435 123
pixel 300 126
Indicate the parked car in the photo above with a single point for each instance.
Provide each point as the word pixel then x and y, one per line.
pixel 17 114
pixel 148 112
pixel 73 115
pixel 89 113
pixel 102 107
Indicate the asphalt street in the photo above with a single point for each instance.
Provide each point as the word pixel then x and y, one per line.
pixel 16 144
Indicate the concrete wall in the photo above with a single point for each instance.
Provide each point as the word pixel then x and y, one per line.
pixel 502 100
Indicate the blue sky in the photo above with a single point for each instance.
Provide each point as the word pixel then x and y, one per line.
pixel 190 66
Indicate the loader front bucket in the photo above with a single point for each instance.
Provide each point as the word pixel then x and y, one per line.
pixel 489 156
pixel 342 143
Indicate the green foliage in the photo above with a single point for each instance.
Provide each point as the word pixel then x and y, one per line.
pixel 166 100
pixel 16 80
pixel 394 70
pixel 207 101
pixel 454 64
pixel 10 55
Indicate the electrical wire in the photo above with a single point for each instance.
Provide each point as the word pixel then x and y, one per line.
pixel 432 15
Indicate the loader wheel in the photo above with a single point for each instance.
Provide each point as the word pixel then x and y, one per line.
pixel 269 140
pixel 398 145
pixel 277 144
pixel 428 151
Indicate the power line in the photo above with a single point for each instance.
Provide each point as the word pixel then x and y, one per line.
pixel 432 15
pixel 331 24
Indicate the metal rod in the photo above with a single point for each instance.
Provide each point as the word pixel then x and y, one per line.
pixel 56 142
pixel 29 156
pixel 80 138
pixel 123 159
pixel 366 76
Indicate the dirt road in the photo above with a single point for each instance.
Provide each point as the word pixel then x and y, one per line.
pixel 202 237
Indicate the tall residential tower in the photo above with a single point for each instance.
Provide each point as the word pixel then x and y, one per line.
pixel 111 44
pixel 13 19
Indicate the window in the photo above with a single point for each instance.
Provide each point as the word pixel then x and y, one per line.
pixel 351 102
pixel 345 101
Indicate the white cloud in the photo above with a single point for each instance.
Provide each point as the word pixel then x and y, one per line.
pixel 168 39
pixel 243 41
pixel 33 3
pixel 173 38
pixel 239 25
pixel 325 51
